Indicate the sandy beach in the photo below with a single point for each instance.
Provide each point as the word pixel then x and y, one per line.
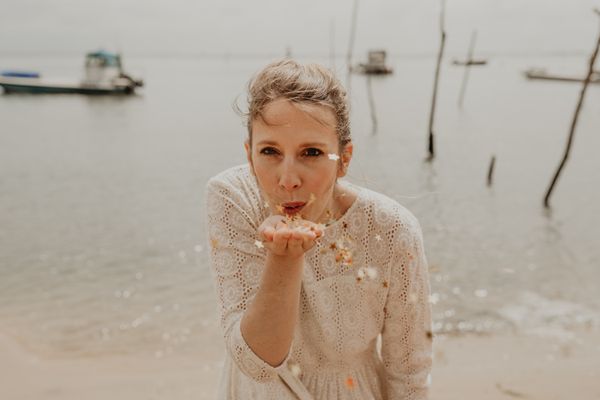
pixel 469 367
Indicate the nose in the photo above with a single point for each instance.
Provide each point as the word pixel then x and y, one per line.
pixel 289 178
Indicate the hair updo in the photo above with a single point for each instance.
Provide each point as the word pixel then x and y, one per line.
pixel 310 83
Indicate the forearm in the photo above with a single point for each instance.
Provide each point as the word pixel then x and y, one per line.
pixel 269 321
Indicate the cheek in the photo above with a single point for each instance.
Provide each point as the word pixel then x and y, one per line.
pixel 265 175
pixel 323 180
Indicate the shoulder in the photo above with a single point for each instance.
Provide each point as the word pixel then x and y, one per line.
pixel 389 214
pixel 232 178
pixel 235 187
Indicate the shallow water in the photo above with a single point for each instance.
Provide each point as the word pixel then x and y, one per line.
pixel 101 199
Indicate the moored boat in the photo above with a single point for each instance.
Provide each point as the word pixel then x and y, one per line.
pixel 540 73
pixel 103 75
pixel 375 65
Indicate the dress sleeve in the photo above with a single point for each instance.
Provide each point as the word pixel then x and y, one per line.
pixel 236 264
pixel 406 336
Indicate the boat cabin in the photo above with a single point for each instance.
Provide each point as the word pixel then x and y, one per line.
pixel 376 63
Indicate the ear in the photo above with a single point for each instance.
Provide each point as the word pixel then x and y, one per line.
pixel 345 159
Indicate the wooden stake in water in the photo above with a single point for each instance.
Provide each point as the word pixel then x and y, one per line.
pixel 430 146
pixel 586 83
pixel 463 86
pixel 372 105
pixel 332 44
pixel 351 44
pixel 490 177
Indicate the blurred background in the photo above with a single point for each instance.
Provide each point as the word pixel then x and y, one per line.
pixel 103 251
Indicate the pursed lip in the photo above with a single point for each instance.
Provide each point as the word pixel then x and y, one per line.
pixel 293 204
pixel 293 207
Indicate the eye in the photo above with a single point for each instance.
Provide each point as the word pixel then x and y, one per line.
pixel 269 151
pixel 312 152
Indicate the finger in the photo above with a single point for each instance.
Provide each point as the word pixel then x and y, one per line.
pixel 267 233
pixel 295 245
pixel 309 241
pixel 281 224
pixel 280 239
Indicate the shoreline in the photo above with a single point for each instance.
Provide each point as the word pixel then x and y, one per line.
pixel 490 367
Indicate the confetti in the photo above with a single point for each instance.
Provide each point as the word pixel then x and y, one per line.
pixel 378 238
pixel 360 274
pixel 371 273
pixel 385 284
pixel 368 272
pixel 350 382
pixel 266 204
pixel 333 156
pixel 343 254
pixel 311 199
pixel 214 243
pixel 259 244
pixel 295 369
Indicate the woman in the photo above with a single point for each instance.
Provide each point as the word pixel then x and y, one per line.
pixel 322 285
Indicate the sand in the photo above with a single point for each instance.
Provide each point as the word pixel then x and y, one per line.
pixel 467 367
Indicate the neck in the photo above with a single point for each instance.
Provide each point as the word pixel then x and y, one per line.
pixel 334 208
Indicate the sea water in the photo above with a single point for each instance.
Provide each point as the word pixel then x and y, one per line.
pixel 102 228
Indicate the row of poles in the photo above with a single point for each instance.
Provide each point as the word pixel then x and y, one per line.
pixel 467 64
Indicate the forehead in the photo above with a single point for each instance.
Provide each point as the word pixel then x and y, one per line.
pixel 282 120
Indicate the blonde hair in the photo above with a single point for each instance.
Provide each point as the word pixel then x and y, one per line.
pixel 310 83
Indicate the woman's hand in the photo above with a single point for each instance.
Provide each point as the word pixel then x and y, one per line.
pixel 289 238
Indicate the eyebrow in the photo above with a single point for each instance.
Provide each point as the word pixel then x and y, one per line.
pixel 308 144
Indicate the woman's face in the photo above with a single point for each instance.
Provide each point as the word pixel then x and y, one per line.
pixel 296 159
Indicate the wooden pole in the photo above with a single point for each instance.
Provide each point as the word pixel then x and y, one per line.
pixel 573 123
pixel 372 105
pixel 490 177
pixel 332 44
pixel 463 87
pixel 430 146
pixel 351 45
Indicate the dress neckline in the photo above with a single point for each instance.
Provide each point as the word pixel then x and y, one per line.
pixel 359 193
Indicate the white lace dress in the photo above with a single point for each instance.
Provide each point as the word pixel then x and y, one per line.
pixel 364 329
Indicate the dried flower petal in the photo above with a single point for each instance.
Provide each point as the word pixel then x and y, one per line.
pixel 333 156
pixel 378 238
pixel 259 244
pixel 350 383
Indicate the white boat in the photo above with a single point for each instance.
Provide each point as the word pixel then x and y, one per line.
pixel 103 75
pixel 375 65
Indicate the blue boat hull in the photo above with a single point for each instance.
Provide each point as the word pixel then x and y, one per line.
pixel 37 89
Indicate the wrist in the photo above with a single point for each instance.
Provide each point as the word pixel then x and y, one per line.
pixel 286 261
